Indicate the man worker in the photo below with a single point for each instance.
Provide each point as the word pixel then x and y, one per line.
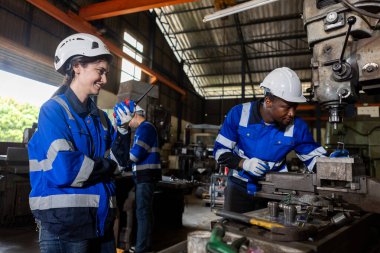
pixel 256 137
pixel 144 157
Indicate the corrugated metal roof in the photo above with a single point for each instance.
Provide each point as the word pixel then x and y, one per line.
pixel 272 35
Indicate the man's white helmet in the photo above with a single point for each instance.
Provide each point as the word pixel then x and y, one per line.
pixel 284 83
pixel 139 110
pixel 79 44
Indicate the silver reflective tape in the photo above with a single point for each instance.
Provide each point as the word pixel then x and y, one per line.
pixel 84 172
pixel 236 175
pixel 153 150
pixel 64 105
pixel 148 166
pixel 289 130
pixel 133 158
pixel 34 165
pixel 318 152
pixel 143 145
pixel 285 169
pixel 55 147
pixel 225 142
pixel 220 152
pixel 63 201
pixel 113 203
pixel 245 115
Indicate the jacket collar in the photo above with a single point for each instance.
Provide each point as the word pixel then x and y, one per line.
pixel 82 109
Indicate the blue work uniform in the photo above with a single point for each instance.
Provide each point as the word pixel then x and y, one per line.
pixel 145 154
pixel 146 169
pixel 244 134
pixel 72 193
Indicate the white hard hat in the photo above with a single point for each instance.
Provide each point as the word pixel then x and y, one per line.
pixel 284 83
pixel 139 110
pixel 79 44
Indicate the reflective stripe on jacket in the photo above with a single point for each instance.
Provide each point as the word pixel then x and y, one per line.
pixel 61 154
pixel 145 154
pixel 245 134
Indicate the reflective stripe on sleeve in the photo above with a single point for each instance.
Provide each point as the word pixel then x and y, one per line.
pixel 143 145
pixel 225 142
pixel 245 114
pixel 84 172
pixel 113 203
pixel 315 153
pixel 154 150
pixel 34 165
pixel 148 166
pixel 220 152
pixel 55 147
pixel 64 201
pixel 236 175
pixel 133 158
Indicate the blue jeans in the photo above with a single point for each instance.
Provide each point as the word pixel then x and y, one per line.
pixel 144 216
pixel 50 243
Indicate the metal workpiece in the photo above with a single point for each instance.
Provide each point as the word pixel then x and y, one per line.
pixel 338 182
pixel 344 169
pixel 290 213
pixel 273 209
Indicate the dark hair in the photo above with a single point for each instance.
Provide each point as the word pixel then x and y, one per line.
pixel 70 74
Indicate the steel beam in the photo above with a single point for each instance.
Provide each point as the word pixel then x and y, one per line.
pixel 253 22
pixel 80 25
pixel 271 37
pixel 251 72
pixel 239 84
pixel 114 8
pixel 274 54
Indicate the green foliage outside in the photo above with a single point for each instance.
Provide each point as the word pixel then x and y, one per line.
pixel 14 118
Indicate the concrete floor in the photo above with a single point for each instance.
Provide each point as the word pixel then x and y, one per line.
pixel 196 216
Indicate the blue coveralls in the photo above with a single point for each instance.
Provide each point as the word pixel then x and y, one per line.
pixel 72 195
pixel 246 135
pixel 147 171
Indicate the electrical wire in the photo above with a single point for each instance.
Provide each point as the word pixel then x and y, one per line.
pixel 361 11
pixel 360 133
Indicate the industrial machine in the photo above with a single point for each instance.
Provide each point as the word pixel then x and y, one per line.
pixel 345 37
pixel 194 157
pixel 337 208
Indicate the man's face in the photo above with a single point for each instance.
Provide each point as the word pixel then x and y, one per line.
pixel 282 112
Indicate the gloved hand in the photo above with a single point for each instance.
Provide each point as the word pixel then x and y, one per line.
pixel 256 167
pixel 340 153
pixel 122 114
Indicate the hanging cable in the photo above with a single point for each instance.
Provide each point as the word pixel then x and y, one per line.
pixel 361 11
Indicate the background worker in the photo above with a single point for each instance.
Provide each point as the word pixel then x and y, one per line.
pixel 256 137
pixel 144 157
pixel 73 194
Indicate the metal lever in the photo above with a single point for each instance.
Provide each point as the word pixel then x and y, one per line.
pixel 351 21
pixel 342 69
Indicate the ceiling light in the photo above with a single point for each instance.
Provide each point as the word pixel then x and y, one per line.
pixel 236 9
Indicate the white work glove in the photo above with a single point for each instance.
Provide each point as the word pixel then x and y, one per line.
pixel 122 117
pixel 256 167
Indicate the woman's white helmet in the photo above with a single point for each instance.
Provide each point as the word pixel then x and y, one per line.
pixel 284 83
pixel 79 44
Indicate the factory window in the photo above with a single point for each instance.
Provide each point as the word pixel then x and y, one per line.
pixel 134 49
pixel 18 108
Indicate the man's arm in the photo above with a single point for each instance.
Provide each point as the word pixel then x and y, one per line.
pixel 307 149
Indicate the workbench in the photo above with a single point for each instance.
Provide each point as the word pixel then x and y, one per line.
pixel 362 235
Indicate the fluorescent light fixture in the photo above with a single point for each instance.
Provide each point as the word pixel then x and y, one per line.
pixel 236 9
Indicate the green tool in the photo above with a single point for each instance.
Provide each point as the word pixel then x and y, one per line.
pixel 216 244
